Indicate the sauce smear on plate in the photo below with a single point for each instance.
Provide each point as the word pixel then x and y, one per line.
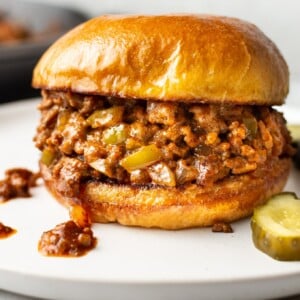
pixel 67 239
pixel 6 231
pixel 72 238
pixel 17 183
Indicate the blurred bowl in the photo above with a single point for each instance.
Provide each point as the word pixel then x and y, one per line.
pixel 45 23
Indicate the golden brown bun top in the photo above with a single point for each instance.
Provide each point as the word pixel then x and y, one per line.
pixel 189 58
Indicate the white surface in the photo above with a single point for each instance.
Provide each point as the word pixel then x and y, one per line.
pixel 128 263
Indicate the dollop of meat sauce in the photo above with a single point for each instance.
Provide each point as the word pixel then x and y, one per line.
pixel 70 239
pixel 222 227
pixel 17 183
pixel 6 231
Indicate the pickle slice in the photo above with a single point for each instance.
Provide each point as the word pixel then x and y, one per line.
pixel 276 227
pixel 295 132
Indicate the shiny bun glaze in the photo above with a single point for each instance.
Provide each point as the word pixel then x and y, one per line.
pixel 188 58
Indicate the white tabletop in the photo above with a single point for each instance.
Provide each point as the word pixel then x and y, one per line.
pixel 9 296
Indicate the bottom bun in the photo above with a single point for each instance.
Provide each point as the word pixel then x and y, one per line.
pixel 175 208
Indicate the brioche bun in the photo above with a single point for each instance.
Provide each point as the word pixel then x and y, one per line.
pixel 169 58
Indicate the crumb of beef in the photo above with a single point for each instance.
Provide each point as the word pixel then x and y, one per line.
pixel 67 239
pixel 222 227
pixel 6 231
pixel 17 183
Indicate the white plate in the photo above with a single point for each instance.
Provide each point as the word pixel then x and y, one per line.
pixel 128 263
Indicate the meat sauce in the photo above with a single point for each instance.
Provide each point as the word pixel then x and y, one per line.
pixel 154 143
pixel 222 227
pixel 72 238
pixel 67 239
pixel 140 142
pixel 6 231
pixel 17 183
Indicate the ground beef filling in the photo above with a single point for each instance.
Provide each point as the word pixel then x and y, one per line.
pixel 141 142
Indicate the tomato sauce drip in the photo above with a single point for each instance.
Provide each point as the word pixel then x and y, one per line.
pixel 6 231
pixel 72 238
pixel 17 184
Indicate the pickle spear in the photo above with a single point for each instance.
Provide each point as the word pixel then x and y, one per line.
pixel 276 227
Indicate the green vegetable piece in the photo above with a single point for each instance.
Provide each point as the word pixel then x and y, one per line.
pixel 62 120
pixel 48 155
pixel 114 135
pixel 106 117
pixel 251 125
pixel 142 158
pixel 276 227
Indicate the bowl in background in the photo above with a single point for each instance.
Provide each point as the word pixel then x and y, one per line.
pixel 45 23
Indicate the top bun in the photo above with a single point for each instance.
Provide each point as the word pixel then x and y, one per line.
pixel 189 58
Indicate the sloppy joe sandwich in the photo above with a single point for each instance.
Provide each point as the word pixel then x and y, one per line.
pixel 163 121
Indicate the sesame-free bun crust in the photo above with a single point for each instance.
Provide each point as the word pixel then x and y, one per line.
pixel 177 208
pixel 189 58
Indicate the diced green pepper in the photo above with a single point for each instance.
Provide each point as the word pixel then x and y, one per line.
pixel 106 117
pixel 48 156
pixel 251 125
pixel 62 120
pixel 114 135
pixel 142 158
